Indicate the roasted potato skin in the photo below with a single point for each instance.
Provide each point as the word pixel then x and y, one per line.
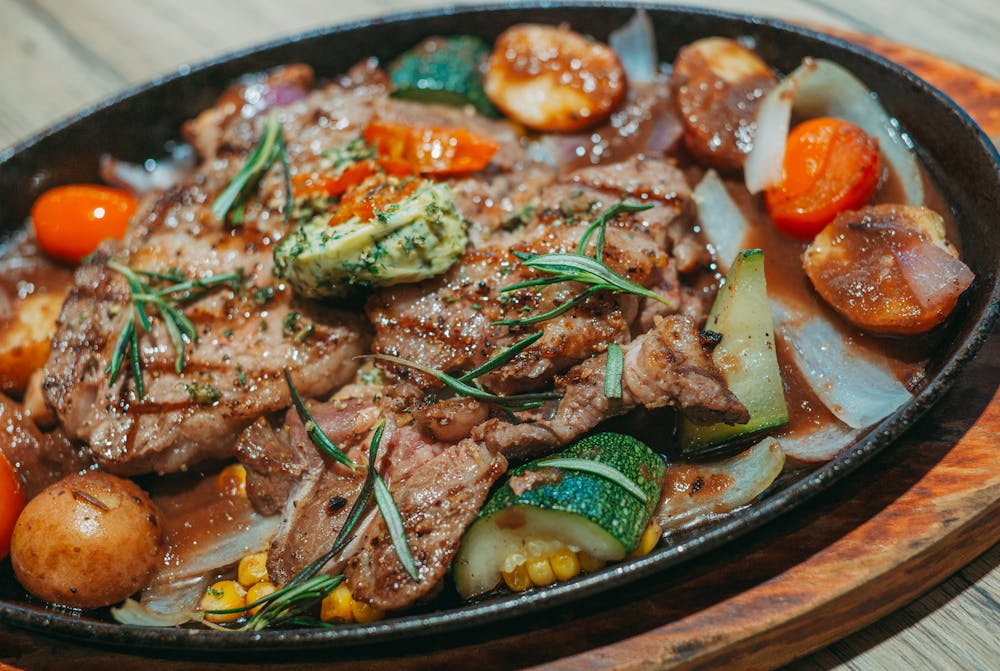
pixel 24 343
pixel 718 85
pixel 552 79
pixel 87 541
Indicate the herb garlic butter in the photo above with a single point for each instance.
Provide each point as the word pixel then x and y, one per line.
pixel 409 241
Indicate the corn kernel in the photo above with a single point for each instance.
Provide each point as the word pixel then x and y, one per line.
pixel 565 564
pixel 517 580
pixel 336 607
pixel 259 591
pixel 650 537
pixel 364 612
pixel 252 569
pixel 540 571
pixel 223 595
pixel 233 480
pixel 590 563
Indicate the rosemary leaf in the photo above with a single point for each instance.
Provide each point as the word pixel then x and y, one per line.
pixel 600 225
pixel 394 523
pixel 613 371
pixel 555 312
pixel 271 146
pixel 501 358
pixel 514 402
pixel 135 356
pixel 316 434
pixel 586 270
pixel 122 346
pixel 597 468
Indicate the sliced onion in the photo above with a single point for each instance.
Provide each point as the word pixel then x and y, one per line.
pixel 666 132
pixel 819 444
pixel 724 485
pixel 635 45
pixel 153 175
pixel 721 219
pixel 934 276
pixel 855 383
pixel 823 88
pixel 139 615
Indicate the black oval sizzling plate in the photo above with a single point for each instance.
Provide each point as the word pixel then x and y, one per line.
pixel 136 124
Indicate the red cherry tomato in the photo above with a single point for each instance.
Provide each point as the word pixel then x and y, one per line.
pixel 70 221
pixel 429 150
pixel 11 502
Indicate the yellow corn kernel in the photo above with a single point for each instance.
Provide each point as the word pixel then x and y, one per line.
pixel 336 607
pixel 590 563
pixel 650 537
pixel 259 591
pixel 517 579
pixel 540 571
pixel 565 564
pixel 252 569
pixel 233 480
pixel 364 612
pixel 224 595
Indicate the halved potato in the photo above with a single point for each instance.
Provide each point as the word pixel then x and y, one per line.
pixel 24 343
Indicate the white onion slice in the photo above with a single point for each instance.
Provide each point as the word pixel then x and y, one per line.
pixel 721 219
pixel 855 384
pixel 635 45
pixel 934 276
pixel 725 485
pixel 820 444
pixel 133 613
pixel 153 174
pixel 823 88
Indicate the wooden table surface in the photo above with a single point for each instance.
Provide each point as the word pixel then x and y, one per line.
pixel 57 56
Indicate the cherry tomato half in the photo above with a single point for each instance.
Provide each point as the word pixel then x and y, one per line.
pixel 11 502
pixel 429 150
pixel 70 221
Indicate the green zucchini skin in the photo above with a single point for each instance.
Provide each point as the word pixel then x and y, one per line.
pixel 446 70
pixel 746 356
pixel 413 240
pixel 575 508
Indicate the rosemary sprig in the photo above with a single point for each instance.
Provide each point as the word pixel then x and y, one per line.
pixel 597 468
pixel 316 434
pixel 613 369
pixel 600 225
pixel 501 358
pixel 567 267
pixel 509 403
pixel 292 603
pixel 271 147
pixel 165 300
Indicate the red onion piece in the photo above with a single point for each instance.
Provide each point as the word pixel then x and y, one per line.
pixel 635 45
pixel 934 276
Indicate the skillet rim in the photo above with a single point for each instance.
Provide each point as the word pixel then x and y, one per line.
pixel 62 624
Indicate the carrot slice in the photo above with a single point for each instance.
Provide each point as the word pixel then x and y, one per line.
pixel 831 166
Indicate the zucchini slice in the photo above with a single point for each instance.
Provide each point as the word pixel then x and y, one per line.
pixel 446 70
pixel 543 508
pixel 745 356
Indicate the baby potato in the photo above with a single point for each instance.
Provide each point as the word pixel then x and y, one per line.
pixel 554 79
pixel 87 541
pixel 24 343
pixel 719 85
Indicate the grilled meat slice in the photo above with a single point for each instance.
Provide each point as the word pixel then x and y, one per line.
pixel 437 501
pixel 664 366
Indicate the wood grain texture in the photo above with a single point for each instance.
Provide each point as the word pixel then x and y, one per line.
pixel 56 56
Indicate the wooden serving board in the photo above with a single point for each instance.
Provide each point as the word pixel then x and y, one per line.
pixel 920 511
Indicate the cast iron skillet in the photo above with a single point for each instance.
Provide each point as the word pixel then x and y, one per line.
pixel 136 124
